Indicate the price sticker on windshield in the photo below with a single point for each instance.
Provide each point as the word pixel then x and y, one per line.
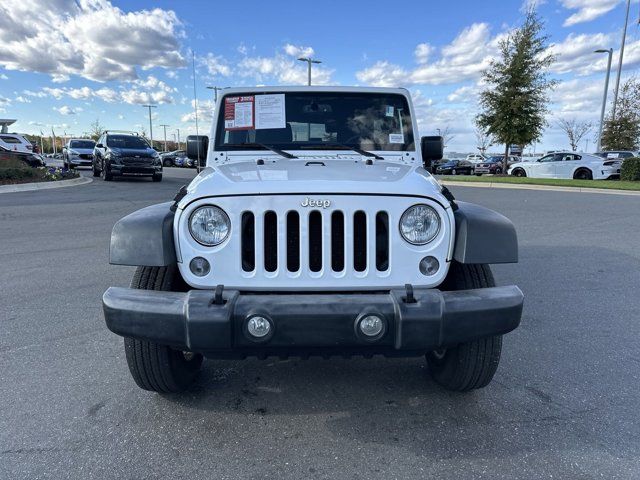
pixel 396 138
pixel 239 113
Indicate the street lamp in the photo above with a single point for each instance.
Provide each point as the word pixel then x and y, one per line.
pixel 624 36
pixel 309 61
pixel 178 130
pixel 215 92
pixel 604 99
pixel 165 135
pixel 150 124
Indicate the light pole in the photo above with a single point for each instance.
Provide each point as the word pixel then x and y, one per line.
pixel 215 92
pixel 604 98
pixel 150 124
pixel 309 61
pixel 624 36
pixel 178 130
pixel 165 136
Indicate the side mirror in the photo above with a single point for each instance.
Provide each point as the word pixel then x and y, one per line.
pixel 99 145
pixel 432 149
pixel 197 146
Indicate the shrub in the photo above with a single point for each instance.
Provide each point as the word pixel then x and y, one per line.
pixel 630 170
pixel 17 173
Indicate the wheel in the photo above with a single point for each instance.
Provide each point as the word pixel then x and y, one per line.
pixel 95 172
pixel 583 174
pixel 106 175
pixel 470 365
pixel 478 174
pixel 518 172
pixel 453 171
pixel 166 163
pixel 157 178
pixel 498 171
pixel 154 367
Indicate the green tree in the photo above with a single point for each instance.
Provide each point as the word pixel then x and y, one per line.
pixel 623 132
pixel 514 104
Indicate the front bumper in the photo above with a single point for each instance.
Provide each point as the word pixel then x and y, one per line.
pixel 80 161
pixel 120 169
pixel 317 323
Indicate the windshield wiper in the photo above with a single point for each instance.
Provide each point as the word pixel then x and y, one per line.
pixel 355 149
pixel 268 147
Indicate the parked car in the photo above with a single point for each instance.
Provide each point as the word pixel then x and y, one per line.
pixel 475 158
pixel 117 154
pixel 455 167
pixel 31 159
pixel 15 142
pixel 77 152
pixel 495 165
pixel 337 244
pixel 618 154
pixel 581 166
pixel 168 158
pixel 180 161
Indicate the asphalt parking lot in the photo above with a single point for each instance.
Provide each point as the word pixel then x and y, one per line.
pixel 564 402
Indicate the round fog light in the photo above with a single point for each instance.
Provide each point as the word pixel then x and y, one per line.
pixel 429 266
pixel 371 326
pixel 258 327
pixel 199 266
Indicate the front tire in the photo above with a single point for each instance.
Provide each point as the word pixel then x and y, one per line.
pixel 155 367
pixel 583 174
pixel 470 365
pixel 518 172
pixel 157 178
pixel 106 175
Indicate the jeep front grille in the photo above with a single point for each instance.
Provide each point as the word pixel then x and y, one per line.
pixel 320 226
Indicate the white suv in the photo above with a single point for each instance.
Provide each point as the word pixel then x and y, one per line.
pixel 15 142
pixel 314 229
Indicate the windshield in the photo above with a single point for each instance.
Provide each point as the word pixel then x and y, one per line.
pixel 126 141
pixel 82 144
pixel 315 120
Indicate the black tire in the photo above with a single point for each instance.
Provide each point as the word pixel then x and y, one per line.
pixel 498 171
pixel 95 172
pixel 469 365
pixel 154 367
pixel 478 174
pixel 106 175
pixel 518 172
pixel 157 178
pixel 583 174
pixel 167 163
pixel 453 171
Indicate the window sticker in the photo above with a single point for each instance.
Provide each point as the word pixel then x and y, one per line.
pixel 238 113
pixel 388 112
pixel 270 111
pixel 396 138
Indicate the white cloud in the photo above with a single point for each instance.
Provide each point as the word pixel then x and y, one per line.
pixel 465 58
pixel 172 74
pixel 89 38
pixel 65 110
pixel 587 10
pixel 298 51
pixel 3 77
pixel 284 69
pixel 22 99
pixel 107 94
pixel 205 113
pixel 215 65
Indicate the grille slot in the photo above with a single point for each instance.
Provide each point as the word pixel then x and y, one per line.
pixel 293 241
pixel 315 241
pixel 248 242
pixel 337 241
pixel 382 241
pixel 360 241
pixel 270 241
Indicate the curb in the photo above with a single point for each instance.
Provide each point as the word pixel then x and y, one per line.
pixel 540 187
pixel 28 187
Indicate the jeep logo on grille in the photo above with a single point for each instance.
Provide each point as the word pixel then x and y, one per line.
pixel 310 202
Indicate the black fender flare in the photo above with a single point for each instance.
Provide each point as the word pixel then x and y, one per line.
pixel 144 238
pixel 483 236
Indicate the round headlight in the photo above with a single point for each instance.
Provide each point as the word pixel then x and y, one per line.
pixel 209 225
pixel 419 224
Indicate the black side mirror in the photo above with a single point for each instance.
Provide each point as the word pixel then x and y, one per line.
pixel 432 149
pixel 197 146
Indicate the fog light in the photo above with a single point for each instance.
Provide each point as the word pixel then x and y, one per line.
pixel 429 266
pixel 199 266
pixel 371 325
pixel 258 327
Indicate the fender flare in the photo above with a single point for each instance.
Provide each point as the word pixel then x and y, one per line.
pixel 483 236
pixel 144 238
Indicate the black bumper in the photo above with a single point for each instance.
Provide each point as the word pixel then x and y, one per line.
pixel 311 323
pixel 135 169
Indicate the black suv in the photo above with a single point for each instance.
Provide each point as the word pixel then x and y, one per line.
pixel 125 154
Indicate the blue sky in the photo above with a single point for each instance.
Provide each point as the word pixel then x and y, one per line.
pixel 65 63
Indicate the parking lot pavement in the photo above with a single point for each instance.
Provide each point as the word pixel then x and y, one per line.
pixel 563 404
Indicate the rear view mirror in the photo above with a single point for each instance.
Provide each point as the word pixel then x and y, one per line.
pixel 197 146
pixel 432 149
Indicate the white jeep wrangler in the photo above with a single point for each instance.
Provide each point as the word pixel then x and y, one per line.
pixel 314 229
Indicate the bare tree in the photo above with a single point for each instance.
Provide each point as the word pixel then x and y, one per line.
pixel 96 129
pixel 484 140
pixel 574 130
pixel 446 135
